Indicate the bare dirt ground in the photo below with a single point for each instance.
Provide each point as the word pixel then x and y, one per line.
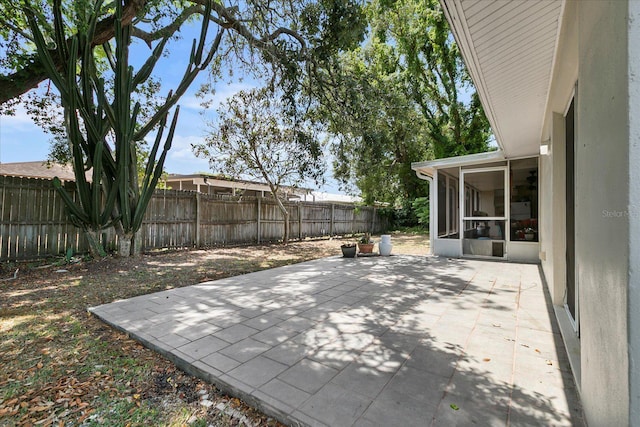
pixel 61 366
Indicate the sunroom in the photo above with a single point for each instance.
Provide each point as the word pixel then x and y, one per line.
pixel 483 206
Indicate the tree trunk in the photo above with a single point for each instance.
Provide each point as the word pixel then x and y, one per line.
pixel 124 245
pixel 95 247
pixel 285 238
pixel 285 214
pixel 137 244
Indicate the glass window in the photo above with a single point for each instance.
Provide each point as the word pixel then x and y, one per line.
pixel 467 202
pixel 448 215
pixel 523 179
pixel 453 208
pixel 442 205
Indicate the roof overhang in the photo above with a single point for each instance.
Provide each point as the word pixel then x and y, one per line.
pixel 509 48
pixel 426 170
pixel 239 184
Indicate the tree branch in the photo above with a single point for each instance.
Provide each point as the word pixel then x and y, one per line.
pixel 167 31
pixel 30 76
pixel 236 24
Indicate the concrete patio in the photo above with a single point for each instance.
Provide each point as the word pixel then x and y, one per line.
pixel 401 340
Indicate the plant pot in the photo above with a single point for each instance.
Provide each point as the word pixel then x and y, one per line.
pixel 385 246
pixel 348 251
pixel 366 248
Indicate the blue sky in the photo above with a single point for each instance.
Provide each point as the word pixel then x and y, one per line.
pixel 21 140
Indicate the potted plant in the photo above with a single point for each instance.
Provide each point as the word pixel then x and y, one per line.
pixel 365 244
pixel 348 250
pixel 529 234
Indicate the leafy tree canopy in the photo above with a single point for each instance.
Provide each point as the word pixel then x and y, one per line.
pixel 278 40
pixel 255 32
pixel 400 98
pixel 83 48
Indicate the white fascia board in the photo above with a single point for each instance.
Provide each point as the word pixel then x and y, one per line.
pixel 428 168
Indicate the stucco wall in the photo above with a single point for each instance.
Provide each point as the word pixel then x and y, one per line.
pixel 602 220
pixel 552 187
pixel 634 210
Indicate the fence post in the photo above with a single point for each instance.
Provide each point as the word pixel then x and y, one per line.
pixel 300 221
pixel 353 219
pixel 198 220
pixel 333 215
pixel 258 218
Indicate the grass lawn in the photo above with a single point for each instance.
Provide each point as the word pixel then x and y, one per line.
pixel 61 366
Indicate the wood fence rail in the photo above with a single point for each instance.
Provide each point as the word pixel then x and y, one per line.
pixel 34 223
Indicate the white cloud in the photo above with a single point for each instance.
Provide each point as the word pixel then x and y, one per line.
pixel 21 140
pixel 19 121
pixel 181 146
pixel 181 158
pixel 223 92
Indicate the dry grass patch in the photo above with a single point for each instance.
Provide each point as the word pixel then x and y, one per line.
pixel 61 366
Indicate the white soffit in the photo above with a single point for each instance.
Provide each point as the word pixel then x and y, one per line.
pixel 509 48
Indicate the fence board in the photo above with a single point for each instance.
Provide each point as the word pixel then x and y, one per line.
pixel 34 222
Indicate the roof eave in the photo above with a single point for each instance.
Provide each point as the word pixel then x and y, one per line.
pixel 428 168
pixel 510 51
pixel 461 34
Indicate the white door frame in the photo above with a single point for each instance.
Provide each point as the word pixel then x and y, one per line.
pixel 504 169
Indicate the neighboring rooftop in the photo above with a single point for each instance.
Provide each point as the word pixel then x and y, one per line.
pixel 320 196
pixel 220 184
pixel 38 169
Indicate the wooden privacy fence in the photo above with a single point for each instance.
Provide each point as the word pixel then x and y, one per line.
pixel 34 223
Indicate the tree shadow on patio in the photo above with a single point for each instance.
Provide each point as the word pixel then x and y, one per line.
pixel 401 340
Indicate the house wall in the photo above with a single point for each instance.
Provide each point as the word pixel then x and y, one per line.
pixel 552 175
pixel 602 187
pixel 593 51
pixel 447 247
pixel 634 211
pixel 523 251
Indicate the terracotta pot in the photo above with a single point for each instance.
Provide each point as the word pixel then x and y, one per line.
pixel 365 248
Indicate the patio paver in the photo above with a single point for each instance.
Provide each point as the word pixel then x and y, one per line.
pixel 401 340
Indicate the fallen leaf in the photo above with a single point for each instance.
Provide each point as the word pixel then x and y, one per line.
pixel 486 359
pixel 454 406
pixel 538 351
